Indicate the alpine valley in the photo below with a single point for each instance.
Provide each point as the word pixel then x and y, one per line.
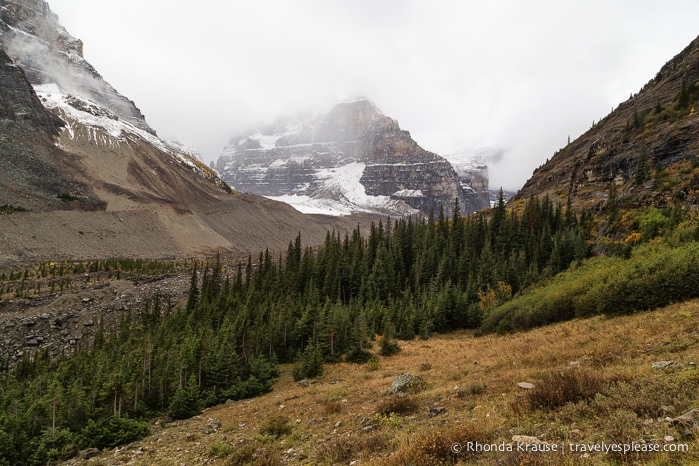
pixel 156 311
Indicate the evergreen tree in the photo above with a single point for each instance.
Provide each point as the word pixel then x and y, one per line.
pixel 611 208
pixel 185 403
pixel 642 168
pixel 309 365
pixel 683 98
pixel 193 295
pixel 389 346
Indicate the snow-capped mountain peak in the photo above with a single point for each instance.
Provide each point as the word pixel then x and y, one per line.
pixel 351 159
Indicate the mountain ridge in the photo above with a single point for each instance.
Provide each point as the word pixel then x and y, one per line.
pixel 643 149
pixel 36 173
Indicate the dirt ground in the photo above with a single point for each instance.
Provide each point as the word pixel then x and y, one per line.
pixel 239 226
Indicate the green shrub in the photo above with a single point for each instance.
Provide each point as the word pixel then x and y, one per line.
pixel 372 364
pixel 623 426
pixel 109 433
pixel 277 426
pixel 386 420
pixel 648 397
pixel 435 446
pixel 476 388
pixel 243 453
pixel 67 197
pixel 344 450
pixel 398 404
pixel 220 450
pixel 336 394
pixel 653 276
pixel 358 356
pixel 334 407
pixel 10 209
pixel 650 222
pixel 558 388
pixel 309 365
pixel 262 375
pixel 389 347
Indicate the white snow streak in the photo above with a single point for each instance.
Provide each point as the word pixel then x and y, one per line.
pixel 97 120
pixel 341 193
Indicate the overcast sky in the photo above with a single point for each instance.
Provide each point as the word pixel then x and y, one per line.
pixel 459 75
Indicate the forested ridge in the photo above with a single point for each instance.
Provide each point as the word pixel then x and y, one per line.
pixel 407 278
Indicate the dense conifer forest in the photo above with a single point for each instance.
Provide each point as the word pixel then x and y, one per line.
pixel 408 278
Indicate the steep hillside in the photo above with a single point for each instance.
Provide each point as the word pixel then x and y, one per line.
pixel 353 158
pixel 59 149
pixel 647 148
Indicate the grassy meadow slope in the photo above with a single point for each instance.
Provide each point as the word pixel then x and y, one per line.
pixel 594 384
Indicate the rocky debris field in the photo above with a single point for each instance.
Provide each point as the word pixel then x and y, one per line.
pixel 60 322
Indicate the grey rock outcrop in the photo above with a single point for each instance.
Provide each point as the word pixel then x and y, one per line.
pixel 89 453
pixel 689 419
pixel 687 423
pixel 212 425
pixel 666 364
pixel 408 383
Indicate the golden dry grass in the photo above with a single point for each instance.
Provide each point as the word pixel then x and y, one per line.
pixel 336 420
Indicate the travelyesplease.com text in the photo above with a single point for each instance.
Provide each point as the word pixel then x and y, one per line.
pixel 567 447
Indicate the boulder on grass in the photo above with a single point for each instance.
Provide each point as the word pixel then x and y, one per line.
pixel 408 383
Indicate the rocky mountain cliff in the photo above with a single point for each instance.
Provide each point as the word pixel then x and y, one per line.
pixel 352 158
pixel 96 125
pixel 32 36
pixel 35 173
pixel 83 175
pixel 645 150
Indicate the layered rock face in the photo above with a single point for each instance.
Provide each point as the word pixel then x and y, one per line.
pixel 32 36
pixel 353 156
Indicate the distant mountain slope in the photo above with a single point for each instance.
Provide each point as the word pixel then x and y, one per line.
pixel 647 148
pixel 352 158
